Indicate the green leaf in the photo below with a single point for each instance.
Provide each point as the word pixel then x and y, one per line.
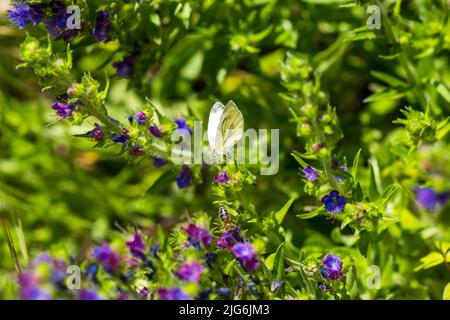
pixel 446 294
pixel 280 214
pixel 297 156
pixel 355 164
pixel 430 260
pixel 389 79
pixel 311 214
pixel 278 266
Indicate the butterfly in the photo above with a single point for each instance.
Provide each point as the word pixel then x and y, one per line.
pixel 225 127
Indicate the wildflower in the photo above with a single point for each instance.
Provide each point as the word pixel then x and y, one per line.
pixel 137 246
pixel 172 294
pixel 154 249
pixel 124 68
pixel 159 162
pixel 185 177
pixel 245 253
pixel 23 14
pixel 137 152
pixel 310 173
pixel 144 293
pixel 155 131
pixel 62 110
pixel 197 234
pixel 131 120
pixel 223 291
pixel 333 202
pixel 182 125
pixel 29 288
pixel 228 239
pixel 222 177
pixel 122 137
pixel 190 272
pixel 332 267
pixel 109 259
pixel 97 132
pixel 88 294
pixel 141 117
pixel 56 24
pixel 429 199
pixel 102 26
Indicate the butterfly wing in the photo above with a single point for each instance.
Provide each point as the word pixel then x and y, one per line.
pixel 215 116
pixel 231 128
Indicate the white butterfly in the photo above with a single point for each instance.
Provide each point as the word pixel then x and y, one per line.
pixel 225 127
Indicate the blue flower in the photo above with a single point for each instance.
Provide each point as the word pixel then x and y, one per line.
pixel 159 162
pixel 244 252
pixel 332 267
pixel 429 199
pixel 109 259
pixel 172 294
pixel 310 173
pixel 182 125
pixel 122 137
pixel 124 68
pixel 333 202
pixel 23 14
pixel 154 249
pixel 185 177
pixel 102 26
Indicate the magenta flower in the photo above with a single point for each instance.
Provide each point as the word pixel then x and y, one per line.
pixel 62 110
pixel 222 177
pixel 190 272
pixel 244 252
pixel 197 234
pixel 136 246
pixel 228 239
pixel 332 267
pixel 109 259
pixel 97 132
pixel 141 117
pixel 172 294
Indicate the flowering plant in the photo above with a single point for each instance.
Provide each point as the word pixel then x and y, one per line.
pixel 357 210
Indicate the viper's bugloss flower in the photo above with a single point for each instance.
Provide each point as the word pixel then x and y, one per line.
pixel 102 26
pixel 172 294
pixel 155 131
pixel 109 259
pixel 88 294
pixel 333 202
pixel 310 173
pixel 136 246
pixel 23 14
pixel 56 24
pixel 30 289
pixel 124 67
pixel 222 177
pixel 62 110
pixel 141 117
pixel 182 125
pixel 223 291
pixel 137 151
pixel 429 199
pixel 122 137
pixel 97 133
pixel 228 239
pixel 190 272
pixel 332 267
pixel 185 177
pixel 197 234
pixel 154 249
pixel 159 162
pixel 244 252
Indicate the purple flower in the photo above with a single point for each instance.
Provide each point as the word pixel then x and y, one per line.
pixel 56 25
pixel 102 26
pixel 144 293
pixel 141 117
pixel 244 252
pixel 136 246
pixel 109 259
pixel 159 162
pixel 332 267
pixel 222 177
pixel 124 68
pixel 185 177
pixel 137 152
pixel 310 173
pixel 172 294
pixel 429 199
pixel 23 14
pixel 197 234
pixel 154 249
pixel 63 110
pixel 154 130
pixel 97 132
pixel 29 288
pixel 228 239
pixel 190 272
pixel 182 125
pixel 333 202
pixel 122 137
pixel 88 294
